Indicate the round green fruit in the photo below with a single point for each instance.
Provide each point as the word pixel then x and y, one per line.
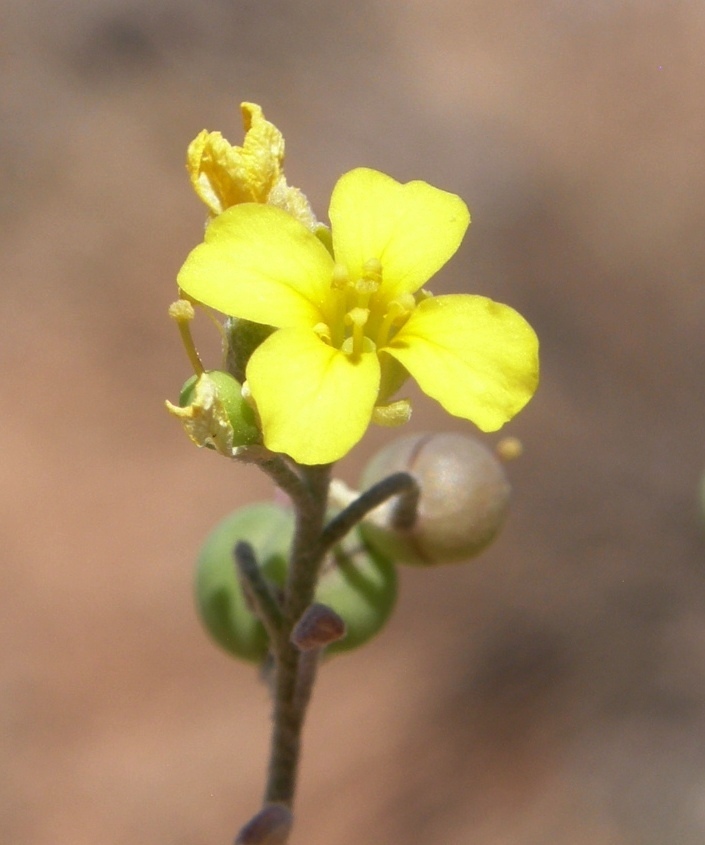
pixel 356 583
pixel 221 603
pixel 240 414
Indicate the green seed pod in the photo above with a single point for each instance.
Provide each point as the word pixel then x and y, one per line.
pixel 222 605
pixel 462 505
pixel 229 392
pixel 356 583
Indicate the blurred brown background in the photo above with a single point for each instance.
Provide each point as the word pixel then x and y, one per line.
pixel 551 692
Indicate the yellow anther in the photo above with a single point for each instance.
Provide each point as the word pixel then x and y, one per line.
pixel 405 301
pixel 322 330
pixel 369 282
pixel 366 287
pixel 181 310
pixel 372 270
pixel 340 278
pixel 392 415
pixel 397 312
pixel 509 448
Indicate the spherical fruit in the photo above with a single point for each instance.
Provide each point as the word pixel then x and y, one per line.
pixel 221 603
pixel 359 584
pixel 240 414
pixel 463 502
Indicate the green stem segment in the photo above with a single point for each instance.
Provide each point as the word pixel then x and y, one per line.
pixel 289 703
pixel 294 670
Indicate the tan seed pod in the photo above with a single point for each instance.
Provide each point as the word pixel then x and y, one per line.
pixel 463 502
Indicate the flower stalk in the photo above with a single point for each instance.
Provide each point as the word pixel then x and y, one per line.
pixel 304 564
pixel 294 668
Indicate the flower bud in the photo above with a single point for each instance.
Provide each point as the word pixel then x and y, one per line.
pixel 356 583
pixel 462 505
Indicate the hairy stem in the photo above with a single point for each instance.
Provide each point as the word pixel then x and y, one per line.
pixel 288 480
pixel 294 670
pixel 289 703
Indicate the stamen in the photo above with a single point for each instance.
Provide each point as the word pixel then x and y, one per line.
pixel 392 415
pixel 182 311
pixel 364 289
pixel 372 270
pixel 340 278
pixel 369 282
pixel 398 311
pixel 322 330
pixel 337 304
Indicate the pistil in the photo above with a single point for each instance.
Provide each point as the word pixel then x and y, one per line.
pixel 357 318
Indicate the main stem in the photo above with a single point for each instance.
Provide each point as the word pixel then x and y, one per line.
pixel 290 699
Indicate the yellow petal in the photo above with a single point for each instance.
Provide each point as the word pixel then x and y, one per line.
pixel 259 264
pixel 476 357
pixel 223 175
pixel 413 229
pixel 314 402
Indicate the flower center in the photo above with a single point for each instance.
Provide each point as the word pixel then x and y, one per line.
pixel 361 319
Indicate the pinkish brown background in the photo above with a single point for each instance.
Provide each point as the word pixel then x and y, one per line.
pixel 553 691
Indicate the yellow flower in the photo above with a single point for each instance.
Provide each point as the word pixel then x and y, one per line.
pixel 223 175
pixel 347 321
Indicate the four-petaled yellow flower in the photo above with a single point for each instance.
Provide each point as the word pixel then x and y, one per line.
pixel 352 324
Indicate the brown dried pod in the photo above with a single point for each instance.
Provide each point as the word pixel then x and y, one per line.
pixel 463 502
